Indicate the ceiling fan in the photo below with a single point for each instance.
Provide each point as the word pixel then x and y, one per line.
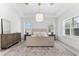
pixel 39 3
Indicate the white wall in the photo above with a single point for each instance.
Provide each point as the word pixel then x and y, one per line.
pixel 31 19
pixel 6 12
pixel 0 26
pixel 69 40
pixel 47 21
pixel 16 25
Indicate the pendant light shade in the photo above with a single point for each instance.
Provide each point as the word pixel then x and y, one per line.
pixel 39 17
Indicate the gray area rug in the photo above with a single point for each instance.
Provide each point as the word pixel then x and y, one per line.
pixel 21 49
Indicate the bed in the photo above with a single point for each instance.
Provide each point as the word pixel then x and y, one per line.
pixel 40 37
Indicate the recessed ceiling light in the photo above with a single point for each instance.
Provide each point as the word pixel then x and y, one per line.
pixel 51 3
pixel 27 3
pixel 39 4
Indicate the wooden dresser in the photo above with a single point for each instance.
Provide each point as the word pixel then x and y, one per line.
pixel 0 40
pixel 8 40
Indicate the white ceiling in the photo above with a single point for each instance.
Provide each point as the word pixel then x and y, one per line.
pixel 55 10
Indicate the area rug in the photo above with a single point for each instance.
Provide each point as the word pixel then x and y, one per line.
pixel 21 49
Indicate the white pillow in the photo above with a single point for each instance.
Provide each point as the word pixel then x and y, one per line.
pixel 40 34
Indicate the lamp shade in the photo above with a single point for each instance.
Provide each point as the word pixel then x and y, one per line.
pixel 39 17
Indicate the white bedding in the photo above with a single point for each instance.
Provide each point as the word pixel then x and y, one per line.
pixel 43 34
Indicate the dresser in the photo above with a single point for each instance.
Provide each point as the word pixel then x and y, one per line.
pixel 8 40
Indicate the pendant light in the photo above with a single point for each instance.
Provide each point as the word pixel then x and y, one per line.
pixel 39 15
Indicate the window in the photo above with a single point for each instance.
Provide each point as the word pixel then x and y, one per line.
pixel 28 25
pixel 75 26
pixel 67 27
pixel 72 26
pixel 28 28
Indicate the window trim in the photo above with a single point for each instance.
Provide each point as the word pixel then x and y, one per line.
pixel 71 27
pixel 64 27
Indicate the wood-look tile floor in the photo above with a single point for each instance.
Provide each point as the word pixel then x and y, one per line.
pixel 21 49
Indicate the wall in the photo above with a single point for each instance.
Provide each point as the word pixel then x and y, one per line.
pixel 47 21
pixel 0 26
pixel 16 25
pixel 31 19
pixel 0 33
pixel 69 40
pixel 8 13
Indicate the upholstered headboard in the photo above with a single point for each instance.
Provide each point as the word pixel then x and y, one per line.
pixel 39 30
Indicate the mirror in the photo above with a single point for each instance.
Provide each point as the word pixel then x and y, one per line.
pixel 51 28
pixel 0 26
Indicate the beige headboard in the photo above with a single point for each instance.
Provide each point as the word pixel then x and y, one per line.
pixel 39 30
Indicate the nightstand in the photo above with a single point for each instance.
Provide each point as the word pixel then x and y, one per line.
pixel 26 36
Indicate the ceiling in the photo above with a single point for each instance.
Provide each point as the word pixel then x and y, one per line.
pixel 51 10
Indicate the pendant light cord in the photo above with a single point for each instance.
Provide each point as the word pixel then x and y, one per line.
pixel 39 6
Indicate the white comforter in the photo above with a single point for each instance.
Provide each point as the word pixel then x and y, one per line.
pixel 43 34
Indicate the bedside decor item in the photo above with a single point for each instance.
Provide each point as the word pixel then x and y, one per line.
pixel 50 34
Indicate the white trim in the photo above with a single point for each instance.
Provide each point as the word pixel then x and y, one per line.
pixel 71 33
